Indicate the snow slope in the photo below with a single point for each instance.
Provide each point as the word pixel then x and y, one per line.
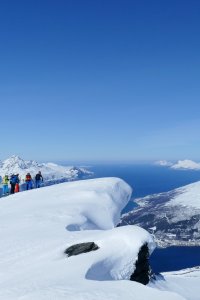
pixel 187 196
pixel 37 226
pixel 185 282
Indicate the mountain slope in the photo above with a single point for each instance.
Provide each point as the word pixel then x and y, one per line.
pixel 50 171
pixel 173 217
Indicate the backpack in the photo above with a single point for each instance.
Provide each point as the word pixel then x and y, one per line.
pixel 13 179
pixel 28 178
pixel 38 176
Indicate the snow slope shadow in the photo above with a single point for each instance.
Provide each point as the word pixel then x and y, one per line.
pixel 99 271
pixel 83 223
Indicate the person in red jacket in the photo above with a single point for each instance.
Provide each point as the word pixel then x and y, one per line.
pixel 17 184
pixel 29 182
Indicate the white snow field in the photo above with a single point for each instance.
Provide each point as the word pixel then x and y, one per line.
pixel 37 226
pixel 185 282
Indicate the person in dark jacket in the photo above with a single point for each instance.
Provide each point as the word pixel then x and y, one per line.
pixel 38 179
pixel 13 181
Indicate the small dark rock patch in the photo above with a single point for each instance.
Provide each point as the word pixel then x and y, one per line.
pixel 81 248
pixel 142 271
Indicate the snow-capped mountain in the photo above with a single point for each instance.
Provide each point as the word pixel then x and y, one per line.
pixel 164 163
pixel 173 217
pixel 50 171
pixel 186 164
pixel 38 226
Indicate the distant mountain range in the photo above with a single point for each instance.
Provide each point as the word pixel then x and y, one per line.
pixel 180 164
pixel 50 171
pixel 172 217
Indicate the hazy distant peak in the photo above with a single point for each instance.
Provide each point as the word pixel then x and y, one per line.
pixel 186 164
pixel 163 163
pixel 180 164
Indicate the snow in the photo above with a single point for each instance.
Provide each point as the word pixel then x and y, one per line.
pixel 188 196
pixel 185 282
pixel 163 163
pixel 37 226
pixel 186 164
pixel 50 171
pixel 180 164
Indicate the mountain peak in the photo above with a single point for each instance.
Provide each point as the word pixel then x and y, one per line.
pixel 50 171
pixel 13 162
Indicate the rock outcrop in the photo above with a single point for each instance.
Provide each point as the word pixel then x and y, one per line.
pixel 142 271
pixel 81 248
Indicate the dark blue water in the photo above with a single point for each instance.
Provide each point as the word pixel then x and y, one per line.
pixel 174 258
pixel 147 179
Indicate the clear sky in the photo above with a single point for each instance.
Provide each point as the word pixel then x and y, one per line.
pixel 103 80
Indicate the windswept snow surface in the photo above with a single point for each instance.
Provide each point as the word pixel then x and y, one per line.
pixel 185 282
pixel 38 225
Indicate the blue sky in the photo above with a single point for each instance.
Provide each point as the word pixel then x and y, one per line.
pixel 100 80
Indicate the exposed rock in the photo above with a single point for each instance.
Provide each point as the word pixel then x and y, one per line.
pixel 81 248
pixel 143 270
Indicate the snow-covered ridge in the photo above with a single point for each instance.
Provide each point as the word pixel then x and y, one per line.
pixel 180 164
pixel 50 171
pixel 38 225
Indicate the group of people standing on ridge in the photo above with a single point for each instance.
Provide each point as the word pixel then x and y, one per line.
pixel 14 181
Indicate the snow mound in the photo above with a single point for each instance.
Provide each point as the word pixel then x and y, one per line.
pixel 118 261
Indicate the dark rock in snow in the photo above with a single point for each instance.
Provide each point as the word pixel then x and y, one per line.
pixel 81 248
pixel 142 271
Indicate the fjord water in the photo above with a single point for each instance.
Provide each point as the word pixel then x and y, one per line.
pixel 150 179
pixel 174 258
pixel 147 179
